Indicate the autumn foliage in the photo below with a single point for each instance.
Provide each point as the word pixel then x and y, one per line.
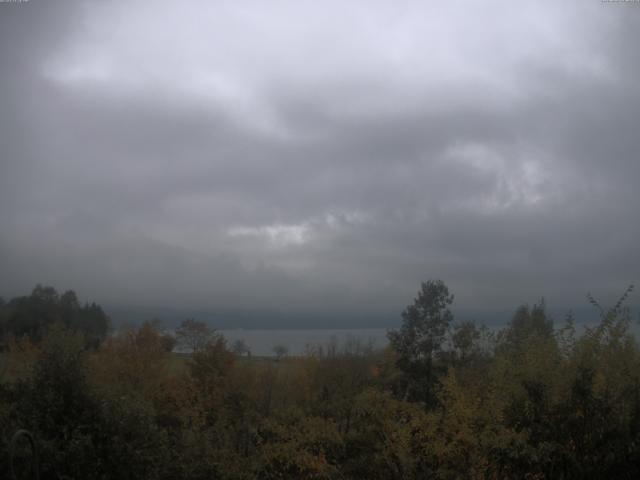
pixel 444 400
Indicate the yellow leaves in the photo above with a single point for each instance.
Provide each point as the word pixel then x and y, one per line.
pixel 19 359
pixel 299 449
pixel 450 437
pixel 133 361
pixel 386 435
pixel 178 402
pixel 287 461
pixel 210 366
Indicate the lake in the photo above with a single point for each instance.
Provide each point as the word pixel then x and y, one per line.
pixel 261 342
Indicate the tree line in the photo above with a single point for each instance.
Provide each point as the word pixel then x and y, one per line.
pixel 32 315
pixel 444 400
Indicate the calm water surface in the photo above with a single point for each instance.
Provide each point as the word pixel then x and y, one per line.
pixel 261 342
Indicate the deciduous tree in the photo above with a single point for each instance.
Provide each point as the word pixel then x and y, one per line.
pixel 420 338
pixel 193 335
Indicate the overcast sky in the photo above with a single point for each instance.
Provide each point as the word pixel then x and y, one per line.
pixel 314 155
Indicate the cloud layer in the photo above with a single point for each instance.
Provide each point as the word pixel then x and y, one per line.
pixel 319 155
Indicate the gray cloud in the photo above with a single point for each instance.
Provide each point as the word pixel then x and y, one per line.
pixel 318 156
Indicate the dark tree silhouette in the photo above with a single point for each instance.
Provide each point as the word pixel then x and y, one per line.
pixel 420 338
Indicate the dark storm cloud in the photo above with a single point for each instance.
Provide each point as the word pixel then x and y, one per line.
pixel 309 155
